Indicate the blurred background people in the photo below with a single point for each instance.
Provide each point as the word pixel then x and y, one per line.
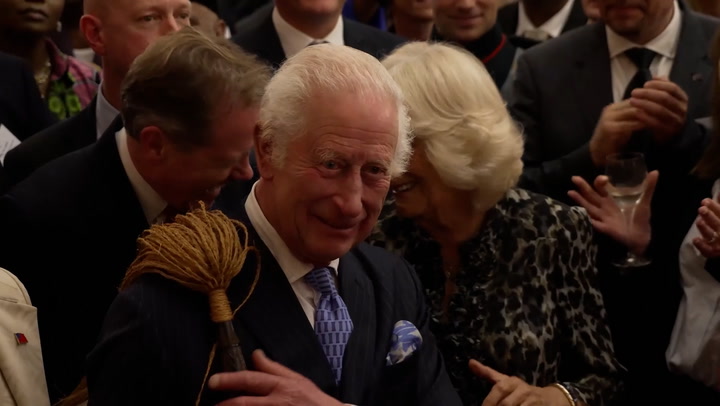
pixel 66 84
pixel 472 24
pixel 116 33
pixel 203 16
pixel 411 19
pixel 530 22
pixel 277 32
pixel 510 274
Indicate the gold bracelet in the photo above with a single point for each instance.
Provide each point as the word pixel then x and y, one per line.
pixel 565 392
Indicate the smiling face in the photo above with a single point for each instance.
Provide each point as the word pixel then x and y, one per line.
pixel 199 173
pixel 464 20
pixel 34 17
pixel 637 20
pixel 326 196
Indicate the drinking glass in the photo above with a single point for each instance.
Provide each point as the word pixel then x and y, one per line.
pixel 627 172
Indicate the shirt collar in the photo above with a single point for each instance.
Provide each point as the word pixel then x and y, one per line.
pixel 293 268
pixel 664 44
pixel 105 113
pixel 553 26
pixel 151 202
pixel 294 40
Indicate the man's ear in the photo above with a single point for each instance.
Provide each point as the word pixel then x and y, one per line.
pixel 264 153
pixel 220 28
pixel 91 28
pixel 153 143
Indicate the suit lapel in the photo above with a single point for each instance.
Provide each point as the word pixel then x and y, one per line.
pixel 352 37
pixel 264 40
pixel 274 318
pixel 593 80
pixel 692 69
pixel 358 293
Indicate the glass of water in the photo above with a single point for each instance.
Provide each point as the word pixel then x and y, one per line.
pixel 627 172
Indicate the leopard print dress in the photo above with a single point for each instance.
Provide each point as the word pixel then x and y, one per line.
pixel 526 303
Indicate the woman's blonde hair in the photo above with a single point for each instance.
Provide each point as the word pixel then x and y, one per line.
pixel 459 117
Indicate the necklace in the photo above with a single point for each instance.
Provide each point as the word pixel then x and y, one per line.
pixel 43 77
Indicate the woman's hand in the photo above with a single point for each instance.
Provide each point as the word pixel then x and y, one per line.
pixel 513 391
pixel 708 223
pixel 606 216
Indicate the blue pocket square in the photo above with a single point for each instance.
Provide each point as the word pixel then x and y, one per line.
pixel 406 339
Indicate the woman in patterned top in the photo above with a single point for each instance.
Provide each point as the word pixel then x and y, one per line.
pixel 66 84
pixel 510 274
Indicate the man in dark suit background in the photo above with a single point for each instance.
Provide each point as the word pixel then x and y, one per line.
pixel 69 230
pixel 22 111
pixel 114 32
pixel 332 131
pixel 275 33
pixel 635 84
pixel 530 22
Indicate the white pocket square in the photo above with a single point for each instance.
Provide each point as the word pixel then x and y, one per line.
pixel 406 339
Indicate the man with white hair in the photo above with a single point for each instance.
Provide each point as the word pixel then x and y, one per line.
pixel 333 128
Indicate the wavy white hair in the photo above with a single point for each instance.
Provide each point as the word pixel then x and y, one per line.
pixel 328 69
pixel 459 117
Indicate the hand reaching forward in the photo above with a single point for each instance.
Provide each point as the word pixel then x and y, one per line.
pixel 513 391
pixel 271 385
pixel 606 217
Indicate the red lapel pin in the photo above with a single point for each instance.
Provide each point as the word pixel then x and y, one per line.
pixel 20 338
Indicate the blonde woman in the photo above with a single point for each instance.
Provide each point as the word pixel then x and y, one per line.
pixel 510 274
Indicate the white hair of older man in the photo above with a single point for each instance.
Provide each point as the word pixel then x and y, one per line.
pixel 459 117
pixel 334 70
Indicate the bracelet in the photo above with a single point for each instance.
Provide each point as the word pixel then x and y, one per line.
pixel 565 392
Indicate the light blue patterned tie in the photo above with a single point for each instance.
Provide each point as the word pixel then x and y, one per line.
pixel 332 320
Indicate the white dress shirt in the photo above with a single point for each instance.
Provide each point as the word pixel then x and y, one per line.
pixel 665 45
pixel 152 204
pixel 294 269
pixel 553 27
pixel 105 113
pixel 294 40
pixel 695 342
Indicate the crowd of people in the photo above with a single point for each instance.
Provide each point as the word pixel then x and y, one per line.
pixel 430 202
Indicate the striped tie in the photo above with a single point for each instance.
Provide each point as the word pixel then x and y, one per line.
pixel 333 325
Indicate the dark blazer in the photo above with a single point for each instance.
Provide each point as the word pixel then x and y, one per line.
pixel 69 234
pixel 146 356
pixel 60 139
pixel 22 110
pixel 257 35
pixel 508 17
pixel 563 85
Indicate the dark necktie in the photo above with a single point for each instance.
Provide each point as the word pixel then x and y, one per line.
pixel 333 325
pixel 642 58
pixel 318 42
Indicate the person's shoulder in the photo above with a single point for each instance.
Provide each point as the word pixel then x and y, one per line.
pixel 708 24
pixel 11 289
pixel 562 48
pixel 544 214
pixel 61 183
pixel 379 38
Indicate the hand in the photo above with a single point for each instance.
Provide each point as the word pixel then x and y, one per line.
pixel 708 224
pixel 606 216
pixel 613 131
pixel 662 107
pixel 512 391
pixel 273 384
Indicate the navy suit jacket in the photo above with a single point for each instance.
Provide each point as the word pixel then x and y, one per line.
pixel 157 336
pixel 69 233
pixel 53 142
pixel 257 35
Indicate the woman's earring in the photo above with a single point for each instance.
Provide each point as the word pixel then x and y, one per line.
pixel 59 26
